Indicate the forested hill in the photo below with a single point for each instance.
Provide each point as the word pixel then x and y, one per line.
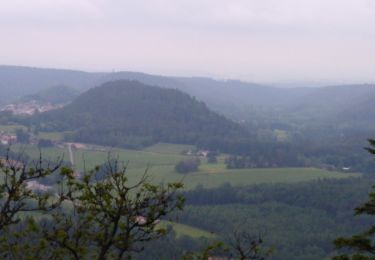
pixel 131 114
pixel 346 104
pixel 56 95
pixel 16 82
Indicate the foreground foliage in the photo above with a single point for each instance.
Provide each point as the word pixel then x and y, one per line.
pixel 88 219
pixel 361 245
pixel 98 215
pixel 15 195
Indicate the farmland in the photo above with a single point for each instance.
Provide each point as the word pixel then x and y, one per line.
pixel 11 129
pixel 160 160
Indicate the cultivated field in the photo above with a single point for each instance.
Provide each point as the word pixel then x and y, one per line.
pixel 50 153
pixel 11 129
pixel 160 166
pixel 53 136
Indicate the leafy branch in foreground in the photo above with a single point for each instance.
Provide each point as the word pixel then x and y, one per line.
pixel 110 218
pixel 242 245
pixel 362 245
pixel 247 246
pixel 101 215
pixel 15 194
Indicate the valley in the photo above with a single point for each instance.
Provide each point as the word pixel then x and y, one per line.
pixel 286 169
pixel 160 160
pixel 187 130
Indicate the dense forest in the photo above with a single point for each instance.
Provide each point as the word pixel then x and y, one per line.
pixel 299 221
pixel 131 114
pixel 59 94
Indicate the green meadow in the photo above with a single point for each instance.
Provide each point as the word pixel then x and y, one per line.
pixel 134 158
pixel 186 230
pixel 159 161
pixel 11 129
pixel 49 153
pixel 53 136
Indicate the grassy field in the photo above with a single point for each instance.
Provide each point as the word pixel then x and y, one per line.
pixel 135 159
pixel 50 153
pixel 169 148
pixel 53 136
pixel 161 167
pixel 257 176
pixel 11 129
pixel 185 230
pixel 239 177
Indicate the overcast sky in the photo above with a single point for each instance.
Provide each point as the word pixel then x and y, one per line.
pixel 255 40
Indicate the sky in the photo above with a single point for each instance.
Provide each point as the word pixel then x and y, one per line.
pixel 252 40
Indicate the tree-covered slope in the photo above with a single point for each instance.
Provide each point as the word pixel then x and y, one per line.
pixel 229 97
pixel 331 101
pixel 56 95
pixel 346 107
pixel 131 114
pixel 16 82
pixel 257 106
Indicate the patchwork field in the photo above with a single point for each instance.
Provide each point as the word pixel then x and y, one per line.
pixel 11 129
pixel 50 153
pixel 169 148
pixel 53 136
pixel 160 160
pixel 134 159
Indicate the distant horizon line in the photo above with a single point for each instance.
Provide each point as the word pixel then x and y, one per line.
pixel 282 83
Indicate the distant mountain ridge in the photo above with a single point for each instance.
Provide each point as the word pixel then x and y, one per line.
pixel 338 104
pixel 55 95
pixel 16 82
pixel 240 101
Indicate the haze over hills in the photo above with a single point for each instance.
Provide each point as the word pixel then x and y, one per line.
pixel 240 101
pixel 131 114
pixel 16 82
pixel 20 81
pixel 348 105
pixel 187 129
pixel 56 95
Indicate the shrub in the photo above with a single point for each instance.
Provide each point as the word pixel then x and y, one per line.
pixel 187 165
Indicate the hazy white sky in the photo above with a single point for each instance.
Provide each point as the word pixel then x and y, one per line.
pixel 257 40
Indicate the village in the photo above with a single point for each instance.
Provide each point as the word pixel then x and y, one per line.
pixel 7 139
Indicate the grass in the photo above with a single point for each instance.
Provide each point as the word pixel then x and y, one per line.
pixel 212 176
pixel 281 135
pixel 135 159
pixel 161 167
pixel 169 148
pixel 11 129
pixel 53 136
pixel 241 177
pixel 50 153
pixel 185 230
pixel 256 176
